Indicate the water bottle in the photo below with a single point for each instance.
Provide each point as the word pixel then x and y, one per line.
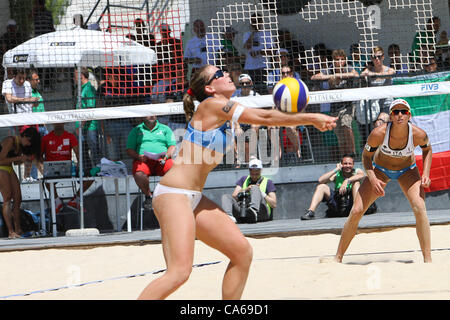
pixel 74 169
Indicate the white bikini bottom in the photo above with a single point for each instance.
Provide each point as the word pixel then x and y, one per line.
pixel 194 196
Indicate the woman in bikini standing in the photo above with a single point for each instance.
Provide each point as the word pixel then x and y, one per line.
pixel 184 214
pixel 389 155
pixel 15 149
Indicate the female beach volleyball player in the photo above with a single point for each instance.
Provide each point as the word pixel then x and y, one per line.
pixel 389 155
pixel 183 213
pixel 15 149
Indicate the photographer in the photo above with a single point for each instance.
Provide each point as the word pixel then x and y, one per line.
pixel 346 183
pixel 254 198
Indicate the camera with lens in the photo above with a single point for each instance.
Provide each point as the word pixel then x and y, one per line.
pixel 243 199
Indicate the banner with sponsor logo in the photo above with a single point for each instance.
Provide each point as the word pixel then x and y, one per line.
pixel 432 114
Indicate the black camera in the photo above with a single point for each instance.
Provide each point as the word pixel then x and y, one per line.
pixel 242 195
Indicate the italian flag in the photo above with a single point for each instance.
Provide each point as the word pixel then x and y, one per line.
pixel 432 114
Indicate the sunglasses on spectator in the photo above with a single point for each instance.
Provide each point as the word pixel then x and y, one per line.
pixel 403 111
pixel 286 73
pixel 246 84
pixel 378 56
pixel 218 74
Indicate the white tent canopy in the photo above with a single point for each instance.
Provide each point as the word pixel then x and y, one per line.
pixel 78 47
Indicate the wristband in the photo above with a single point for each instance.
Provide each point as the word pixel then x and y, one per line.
pixel 264 194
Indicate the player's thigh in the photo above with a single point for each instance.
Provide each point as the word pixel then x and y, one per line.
pixel 215 228
pixel 364 197
pixel 410 183
pixel 177 224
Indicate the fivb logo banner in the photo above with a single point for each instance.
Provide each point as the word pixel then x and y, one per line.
pixel 429 87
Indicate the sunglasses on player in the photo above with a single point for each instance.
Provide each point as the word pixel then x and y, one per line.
pixel 218 74
pixel 403 111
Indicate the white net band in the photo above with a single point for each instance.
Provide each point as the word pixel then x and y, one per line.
pixel 265 101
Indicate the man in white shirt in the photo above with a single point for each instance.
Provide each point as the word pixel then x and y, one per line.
pixel 17 92
pixel 195 51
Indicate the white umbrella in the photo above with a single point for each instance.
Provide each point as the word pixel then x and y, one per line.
pixel 78 48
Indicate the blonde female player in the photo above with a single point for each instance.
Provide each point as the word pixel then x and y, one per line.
pixel 184 214
pixel 389 155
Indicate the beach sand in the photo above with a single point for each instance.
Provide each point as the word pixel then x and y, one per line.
pixel 377 265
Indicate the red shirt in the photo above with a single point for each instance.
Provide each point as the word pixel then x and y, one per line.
pixel 58 148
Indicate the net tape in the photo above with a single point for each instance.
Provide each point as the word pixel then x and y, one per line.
pixel 265 101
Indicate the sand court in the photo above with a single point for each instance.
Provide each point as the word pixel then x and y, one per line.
pixel 378 265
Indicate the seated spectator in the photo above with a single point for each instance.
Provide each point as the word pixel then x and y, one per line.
pixel 430 65
pixel 156 138
pixel 253 198
pixel 286 71
pixel 242 155
pixel 235 70
pixel 295 50
pixel 340 200
pixel 377 68
pixel 356 60
pixel 339 76
pixel 15 149
pixel 396 60
pixel 58 146
pixel 382 118
pixel 443 51
pixel 245 87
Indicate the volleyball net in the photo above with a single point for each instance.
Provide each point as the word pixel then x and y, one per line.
pixel 138 55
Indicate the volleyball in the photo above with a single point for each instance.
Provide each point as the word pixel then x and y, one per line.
pixel 290 95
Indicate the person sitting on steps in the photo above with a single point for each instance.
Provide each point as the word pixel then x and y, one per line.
pixel 346 180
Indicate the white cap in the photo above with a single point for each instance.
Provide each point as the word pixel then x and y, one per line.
pixel 11 22
pixel 255 164
pixel 244 76
pixel 397 102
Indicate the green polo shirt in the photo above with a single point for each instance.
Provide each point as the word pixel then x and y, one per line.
pixel 88 95
pixel 40 106
pixel 157 140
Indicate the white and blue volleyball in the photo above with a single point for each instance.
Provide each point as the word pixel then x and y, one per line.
pixel 290 95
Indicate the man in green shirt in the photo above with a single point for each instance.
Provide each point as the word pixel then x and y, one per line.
pixel 346 183
pixel 89 128
pixel 151 145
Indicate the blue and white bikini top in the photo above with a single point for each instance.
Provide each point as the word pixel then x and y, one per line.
pixel 219 139
pixel 398 153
